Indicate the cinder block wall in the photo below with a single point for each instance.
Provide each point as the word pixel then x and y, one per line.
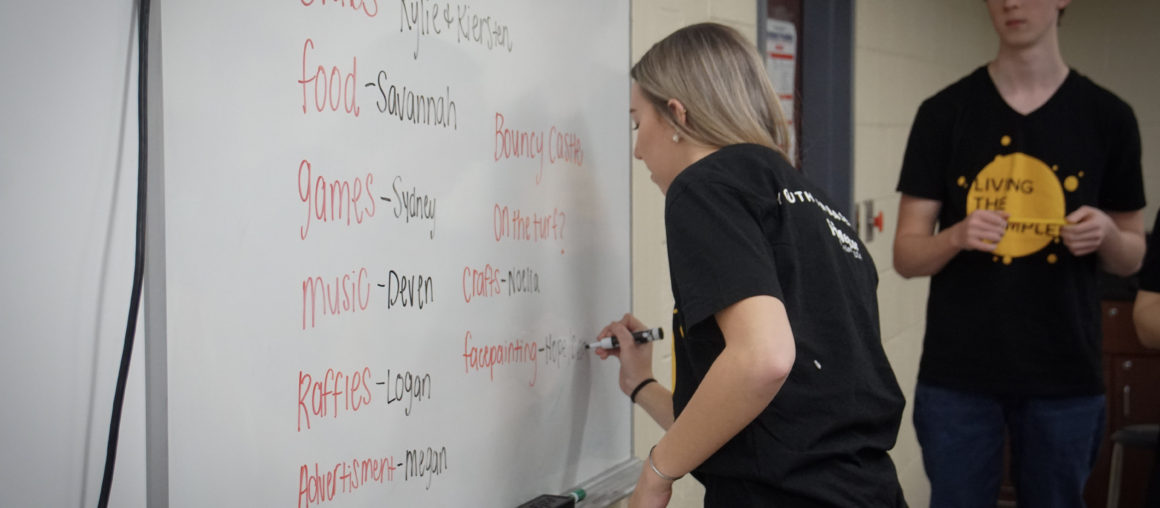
pixel 905 51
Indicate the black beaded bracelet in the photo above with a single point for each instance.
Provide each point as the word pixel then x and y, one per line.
pixel 638 388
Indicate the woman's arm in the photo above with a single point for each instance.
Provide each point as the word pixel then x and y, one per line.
pixel 635 367
pixel 759 353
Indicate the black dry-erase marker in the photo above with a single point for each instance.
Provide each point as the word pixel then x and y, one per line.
pixel 640 337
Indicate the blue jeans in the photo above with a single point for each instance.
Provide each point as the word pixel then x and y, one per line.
pixel 1054 444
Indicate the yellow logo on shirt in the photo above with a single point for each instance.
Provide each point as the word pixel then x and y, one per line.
pixel 1033 196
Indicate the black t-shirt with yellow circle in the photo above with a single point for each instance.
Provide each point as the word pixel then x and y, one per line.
pixel 1024 320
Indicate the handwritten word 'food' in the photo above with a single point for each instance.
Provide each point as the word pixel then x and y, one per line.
pixel 331 89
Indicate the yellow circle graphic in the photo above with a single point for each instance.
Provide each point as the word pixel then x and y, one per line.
pixel 1052 258
pixel 1071 183
pixel 1029 192
pixel 1005 140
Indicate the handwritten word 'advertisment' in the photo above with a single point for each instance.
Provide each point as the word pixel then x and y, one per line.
pixel 348 294
pixel 416 108
pixel 558 145
pixel 331 89
pixel 321 397
pixel 333 200
pixel 371 8
pixel 325 485
pixel 426 18
pixel 505 354
pixel 345 477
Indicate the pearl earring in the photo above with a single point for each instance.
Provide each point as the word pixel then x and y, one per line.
pixel 676 138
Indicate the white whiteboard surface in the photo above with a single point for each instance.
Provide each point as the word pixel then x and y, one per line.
pixel 451 317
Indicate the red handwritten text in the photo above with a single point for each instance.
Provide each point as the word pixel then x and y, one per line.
pixel 564 146
pixel 503 354
pixel 371 10
pixel 333 200
pixel 480 283
pixel 514 224
pixel 320 397
pixel 515 144
pixel 350 293
pixel 322 486
pixel 331 89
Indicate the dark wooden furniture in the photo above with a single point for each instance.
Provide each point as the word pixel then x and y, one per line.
pixel 1132 374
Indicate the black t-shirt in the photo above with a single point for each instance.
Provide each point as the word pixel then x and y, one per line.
pixel 742 222
pixel 1150 272
pixel 1024 320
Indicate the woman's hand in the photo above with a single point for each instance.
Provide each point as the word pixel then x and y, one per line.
pixel 635 359
pixel 651 491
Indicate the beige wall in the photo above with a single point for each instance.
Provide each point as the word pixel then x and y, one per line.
pixel 1117 43
pixel 905 50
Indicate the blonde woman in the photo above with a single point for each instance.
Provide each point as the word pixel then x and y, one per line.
pixel 783 395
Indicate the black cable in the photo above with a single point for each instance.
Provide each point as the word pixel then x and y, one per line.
pixel 139 261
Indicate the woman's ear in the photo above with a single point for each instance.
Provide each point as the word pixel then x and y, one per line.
pixel 678 111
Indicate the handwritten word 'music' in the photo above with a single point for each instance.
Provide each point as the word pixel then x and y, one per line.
pixel 350 293
pixel 559 145
pixel 324 485
pixel 426 18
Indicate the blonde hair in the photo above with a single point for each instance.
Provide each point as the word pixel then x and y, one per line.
pixel 720 79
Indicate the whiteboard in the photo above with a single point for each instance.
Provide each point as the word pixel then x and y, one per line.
pixel 388 230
